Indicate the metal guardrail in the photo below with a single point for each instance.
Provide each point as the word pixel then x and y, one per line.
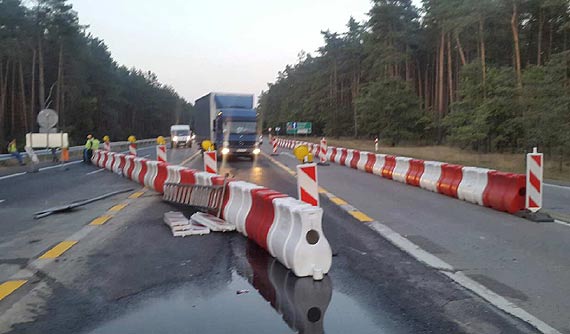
pixel 4 157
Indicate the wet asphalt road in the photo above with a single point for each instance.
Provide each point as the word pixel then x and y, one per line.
pixel 131 276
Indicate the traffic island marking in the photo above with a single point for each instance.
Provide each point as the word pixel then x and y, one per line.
pixel 100 220
pixel 8 287
pixel 58 249
pixel 118 207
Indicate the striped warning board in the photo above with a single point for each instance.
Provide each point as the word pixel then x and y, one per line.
pixel 161 153
pixel 534 171
pixel 133 149
pixel 211 162
pixel 307 183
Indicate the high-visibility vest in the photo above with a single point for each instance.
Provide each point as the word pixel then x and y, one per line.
pixel 12 148
pixel 89 144
pixel 95 144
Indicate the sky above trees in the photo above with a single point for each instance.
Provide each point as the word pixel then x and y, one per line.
pixel 200 46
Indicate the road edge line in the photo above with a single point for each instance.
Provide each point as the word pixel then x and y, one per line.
pixel 434 262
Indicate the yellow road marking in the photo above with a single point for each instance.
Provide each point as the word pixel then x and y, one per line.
pixel 322 190
pixel 101 220
pixel 8 287
pixel 338 201
pixel 360 216
pixel 118 207
pixel 136 195
pixel 58 249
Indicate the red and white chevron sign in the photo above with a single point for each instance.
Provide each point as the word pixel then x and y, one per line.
pixel 161 153
pixel 211 162
pixel 307 183
pixel 534 169
pixel 107 146
pixel 133 149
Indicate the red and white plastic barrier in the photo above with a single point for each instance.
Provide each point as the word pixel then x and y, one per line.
pixel 107 146
pixel 308 184
pixel 534 171
pixel 161 153
pixel 289 229
pixel 211 161
pixel 274 144
pixel 501 191
pixel 133 149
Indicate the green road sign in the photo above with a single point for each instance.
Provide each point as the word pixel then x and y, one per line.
pixel 300 128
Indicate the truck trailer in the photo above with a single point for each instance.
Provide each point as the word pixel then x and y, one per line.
pixel 229 121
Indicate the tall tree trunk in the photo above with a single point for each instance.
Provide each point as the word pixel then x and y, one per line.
pixel 59 84
pixel 440 91
pixel 420 84
pixel 41 89
pixel 460 49
pixel 24 113
pixel 515 30
pixel 13 100
pixel 33 93
pixel 539 41
pixel 483 61
pixel 550 38
pixel 449 69
pixel 1 105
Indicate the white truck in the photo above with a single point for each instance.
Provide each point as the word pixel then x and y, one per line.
pixel 180 135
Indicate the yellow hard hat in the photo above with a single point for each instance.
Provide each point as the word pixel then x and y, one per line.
pixel 207 145
pixel 160 140
pixel 106 138
pixel 132 139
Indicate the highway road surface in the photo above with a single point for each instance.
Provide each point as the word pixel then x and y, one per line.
pixel 114 267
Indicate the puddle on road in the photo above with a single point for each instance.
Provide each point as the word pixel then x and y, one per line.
pixel 276 302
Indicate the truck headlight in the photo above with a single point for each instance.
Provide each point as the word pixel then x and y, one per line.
pixel 175 138
pixel 256 151
pixel 225 151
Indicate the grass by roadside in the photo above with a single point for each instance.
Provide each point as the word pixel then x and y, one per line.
pixel 506 162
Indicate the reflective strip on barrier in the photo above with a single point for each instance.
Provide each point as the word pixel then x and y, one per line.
pixel 150 176
pixel 389 165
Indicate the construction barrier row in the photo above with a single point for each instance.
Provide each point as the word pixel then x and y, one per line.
pixel 290 230
pixel 494 189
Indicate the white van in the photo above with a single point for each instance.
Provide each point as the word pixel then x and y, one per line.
pixel 180 135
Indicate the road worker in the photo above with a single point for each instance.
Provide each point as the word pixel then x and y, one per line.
pixel 13 150
pixel 88 151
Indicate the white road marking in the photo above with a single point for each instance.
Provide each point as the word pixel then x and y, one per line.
pixel 447 269
pixel 95 171
pixel 59 166
pixel 12 175
pixel 561 222
pixel 2 200
pixel 192 157
pixel 557 186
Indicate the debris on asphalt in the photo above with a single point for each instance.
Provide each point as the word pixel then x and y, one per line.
pixel 239 292
pixel 68 207
pixel 212 222
pixel 182 226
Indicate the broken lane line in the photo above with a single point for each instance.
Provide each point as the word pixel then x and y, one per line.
pixel 100 220
pixel 58 249
pixel 8 287
pixel 95 171
pixel 118 207
pixel 2 200
pixel 136 195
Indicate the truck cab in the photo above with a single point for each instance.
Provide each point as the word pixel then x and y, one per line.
pixel 229 121
pixel 236 132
